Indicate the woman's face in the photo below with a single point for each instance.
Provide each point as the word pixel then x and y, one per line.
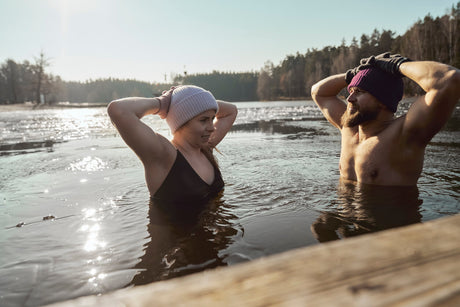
pixel 199 129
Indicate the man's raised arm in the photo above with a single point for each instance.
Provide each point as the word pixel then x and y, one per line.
pixel 325 92
pixel 428 114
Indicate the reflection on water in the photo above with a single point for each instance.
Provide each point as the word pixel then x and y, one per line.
pixel 88 164
pixel 362 208
pixel 185 240
pixel 54 125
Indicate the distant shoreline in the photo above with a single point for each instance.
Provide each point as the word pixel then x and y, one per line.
pixel 61 105
pixel 64 105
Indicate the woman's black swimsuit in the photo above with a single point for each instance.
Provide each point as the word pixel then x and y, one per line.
pixel 183 186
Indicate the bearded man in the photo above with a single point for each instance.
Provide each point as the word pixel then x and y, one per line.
pixel 377 147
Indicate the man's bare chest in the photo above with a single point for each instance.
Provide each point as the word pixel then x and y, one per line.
pixel 368 161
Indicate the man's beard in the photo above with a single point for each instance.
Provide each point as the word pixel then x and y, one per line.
pixel 357 118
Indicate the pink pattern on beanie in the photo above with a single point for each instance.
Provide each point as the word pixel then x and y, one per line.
pixel 187 102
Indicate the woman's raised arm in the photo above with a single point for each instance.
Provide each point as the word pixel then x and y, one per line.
pixel 225 117
pixel 126 114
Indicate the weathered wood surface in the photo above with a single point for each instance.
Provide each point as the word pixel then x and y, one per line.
pixel 418 265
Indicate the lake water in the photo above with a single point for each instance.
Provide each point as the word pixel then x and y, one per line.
pixel 75 217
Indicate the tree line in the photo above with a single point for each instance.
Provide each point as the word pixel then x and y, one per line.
pixel 436 39
pixel 432 38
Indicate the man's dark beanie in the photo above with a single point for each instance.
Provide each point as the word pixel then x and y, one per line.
pixel 387 88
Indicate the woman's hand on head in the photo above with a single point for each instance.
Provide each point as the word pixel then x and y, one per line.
pixel 165 102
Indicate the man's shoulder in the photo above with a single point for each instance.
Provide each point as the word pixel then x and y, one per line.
pixel 395 126
pixel 397 134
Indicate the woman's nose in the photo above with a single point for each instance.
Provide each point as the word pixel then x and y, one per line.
pixel 210 127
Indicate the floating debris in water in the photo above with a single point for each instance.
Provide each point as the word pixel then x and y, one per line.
pixel 45 218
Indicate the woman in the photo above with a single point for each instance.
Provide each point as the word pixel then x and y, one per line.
pixel 182 170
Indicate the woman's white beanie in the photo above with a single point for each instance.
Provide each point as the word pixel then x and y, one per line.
pixel 187 102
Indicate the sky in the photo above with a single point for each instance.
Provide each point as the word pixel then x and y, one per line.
pixel 154 40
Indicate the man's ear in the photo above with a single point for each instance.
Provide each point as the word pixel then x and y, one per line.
pixel 383 107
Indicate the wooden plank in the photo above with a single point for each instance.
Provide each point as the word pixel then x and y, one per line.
pixel 418 265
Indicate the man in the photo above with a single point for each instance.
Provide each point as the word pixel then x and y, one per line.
pixel 378 148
